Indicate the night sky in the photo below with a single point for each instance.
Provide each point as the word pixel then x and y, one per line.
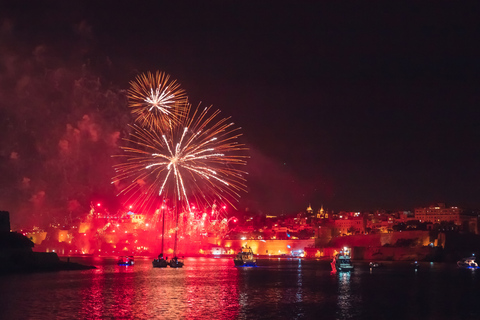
pixel 342 104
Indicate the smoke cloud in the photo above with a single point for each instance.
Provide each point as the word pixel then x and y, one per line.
pixel 60 124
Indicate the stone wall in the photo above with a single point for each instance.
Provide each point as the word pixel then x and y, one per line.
pixel 396 254
pixel 267 247
pixel 382 239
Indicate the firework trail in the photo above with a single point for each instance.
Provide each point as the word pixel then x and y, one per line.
pixel 194 161
pixel 157 100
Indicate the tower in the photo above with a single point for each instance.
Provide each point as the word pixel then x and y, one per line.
pixel 309 210
pixel 321 213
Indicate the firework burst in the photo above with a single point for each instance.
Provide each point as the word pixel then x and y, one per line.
pixel 197 160
pixel 156 100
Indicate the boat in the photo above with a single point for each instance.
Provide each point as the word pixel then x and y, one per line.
pixel 126 261
pixel 161 262
pixel 245 258
pixel 374 264
pixel 176 263
pixel 341 261
pixel 468 263
pixel 416 265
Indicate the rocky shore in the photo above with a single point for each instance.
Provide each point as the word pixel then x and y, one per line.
pixel 16 256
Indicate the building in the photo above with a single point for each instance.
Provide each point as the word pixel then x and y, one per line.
pixel 349 226
pixel 438 213
pixel 322 214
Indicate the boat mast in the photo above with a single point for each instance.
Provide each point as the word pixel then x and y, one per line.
pixel 176 228
pixel 163 224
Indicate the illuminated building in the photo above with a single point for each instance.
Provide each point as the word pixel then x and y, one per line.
pixel 347 226
pixel 322 214
pixel 438 213
pixel 268 247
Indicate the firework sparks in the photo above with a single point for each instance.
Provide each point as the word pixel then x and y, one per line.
pixel 155 99
pixel 196 160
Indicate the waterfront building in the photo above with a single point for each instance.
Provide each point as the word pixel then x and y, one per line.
pixel 438 213
pixel 266 247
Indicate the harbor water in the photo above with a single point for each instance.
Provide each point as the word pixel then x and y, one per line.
pixel 213 288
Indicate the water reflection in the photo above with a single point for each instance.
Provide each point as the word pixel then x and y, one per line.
pixel 216 279
pixel 123 293
pixel 203 289
pixel 166 293
pixel 348 299
pixel 92 295
pixel 214 289
pixel 299 294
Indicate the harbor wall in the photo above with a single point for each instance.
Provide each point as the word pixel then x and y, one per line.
pixel 418 238
pixel 397 253
pixel 398 246
pixel 266 247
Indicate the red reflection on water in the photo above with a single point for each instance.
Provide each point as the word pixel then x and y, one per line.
pixel 92 297
pixel 212 290
pixel 203 288
pixel 123 292
pixel 165 293
pixel 110 292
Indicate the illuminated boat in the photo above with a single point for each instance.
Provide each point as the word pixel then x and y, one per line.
pixel 126 261
pixel 175 263
pixel 160 262
pixel 416 265
pixel 245 258
pixel 468 263
pixel 341 261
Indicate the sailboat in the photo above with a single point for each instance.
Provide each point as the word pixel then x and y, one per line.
pixel 175 262
pixel 161 262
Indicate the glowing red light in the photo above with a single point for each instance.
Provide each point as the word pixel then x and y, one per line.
pixel 224 207
pixel 234 220
pixel 99 204
pixel 193 208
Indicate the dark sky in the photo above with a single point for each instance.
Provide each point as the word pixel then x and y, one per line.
pixel 351 105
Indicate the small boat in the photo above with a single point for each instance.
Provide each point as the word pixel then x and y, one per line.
pixel 126 261
pixel 175 263
pixel 341 261
pixel 160 262
pixel 374 264
pixel 468 263
pixel 416 265
pixel 245 258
